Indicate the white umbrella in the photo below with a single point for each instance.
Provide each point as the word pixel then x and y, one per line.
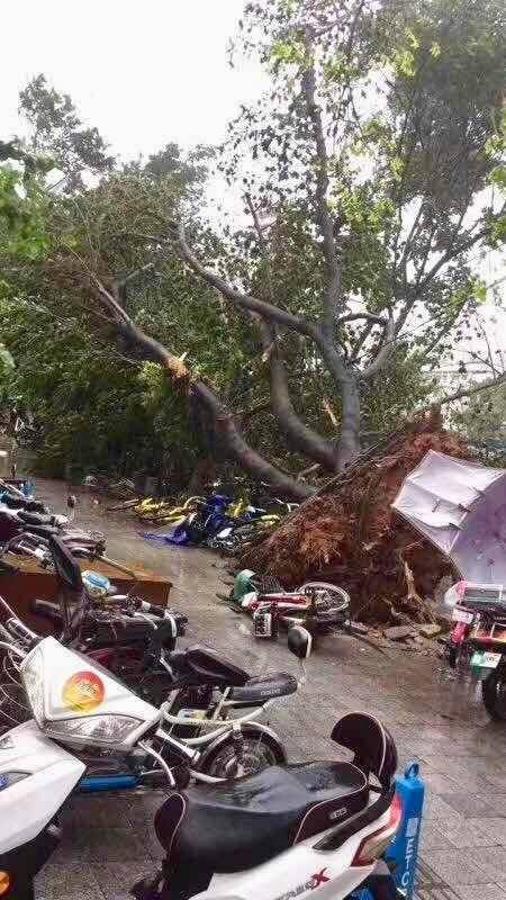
pixel 460 506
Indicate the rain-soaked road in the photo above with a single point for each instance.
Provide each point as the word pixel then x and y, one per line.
pixel 109 842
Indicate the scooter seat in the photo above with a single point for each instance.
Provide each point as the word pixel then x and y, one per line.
pixel 265 687
pixel 242 823
pixel 43 531
pixel 33 518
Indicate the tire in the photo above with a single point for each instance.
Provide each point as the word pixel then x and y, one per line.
pixel 493 692
pixel 260 750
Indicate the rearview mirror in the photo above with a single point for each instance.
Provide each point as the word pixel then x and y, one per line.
pixel 300 642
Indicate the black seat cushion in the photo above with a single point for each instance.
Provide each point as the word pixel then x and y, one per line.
pixel 33 518
pixel 241 823
pixel 208 667
pixel 264 687
pixel 44 531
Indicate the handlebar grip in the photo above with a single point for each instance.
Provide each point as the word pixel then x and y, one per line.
pixel 48 610
pixel 152 609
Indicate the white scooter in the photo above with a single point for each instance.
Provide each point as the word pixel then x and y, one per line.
pixel 276 835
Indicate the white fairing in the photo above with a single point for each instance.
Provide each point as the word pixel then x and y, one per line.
pixel 72 686
pixel 27 806
pixel 299 872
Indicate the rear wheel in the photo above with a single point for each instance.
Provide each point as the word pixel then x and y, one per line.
pixel 493 692
pixel 254 752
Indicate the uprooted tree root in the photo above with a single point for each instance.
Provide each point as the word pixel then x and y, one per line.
pixel 349 534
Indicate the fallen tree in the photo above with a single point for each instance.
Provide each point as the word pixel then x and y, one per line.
pixel 349 534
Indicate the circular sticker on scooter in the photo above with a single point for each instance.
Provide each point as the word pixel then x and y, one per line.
pixel 83 691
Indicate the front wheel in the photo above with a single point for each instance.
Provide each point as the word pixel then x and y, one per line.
pixel 234 757
pixel 493 692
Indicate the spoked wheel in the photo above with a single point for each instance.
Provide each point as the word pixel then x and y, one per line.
pixel 233 759
pixel 493 692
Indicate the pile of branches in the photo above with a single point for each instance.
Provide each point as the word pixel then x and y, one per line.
pixel 348 534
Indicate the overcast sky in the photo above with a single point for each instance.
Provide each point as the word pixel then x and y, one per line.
pixel 143 71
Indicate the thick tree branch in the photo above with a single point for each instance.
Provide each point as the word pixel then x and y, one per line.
pixel 371 317
pixel 468 391
pixel 387 344
pixel 298 435
pixel 245 301
pixel 224 423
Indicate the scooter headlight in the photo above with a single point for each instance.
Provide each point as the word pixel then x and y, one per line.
pixel 108 730
pixel 7 779
pixel 33 680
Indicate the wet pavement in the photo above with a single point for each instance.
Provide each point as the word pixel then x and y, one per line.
pixel 109 841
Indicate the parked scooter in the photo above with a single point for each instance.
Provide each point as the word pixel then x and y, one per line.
pixel 278 834
pixel 478 639
pixel 23 531
pixel 201 692
pixel 318 606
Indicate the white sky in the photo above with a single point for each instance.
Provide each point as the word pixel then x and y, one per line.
pixel 144 73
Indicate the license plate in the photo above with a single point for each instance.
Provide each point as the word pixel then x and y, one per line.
pixel 462 615
pixel 485 660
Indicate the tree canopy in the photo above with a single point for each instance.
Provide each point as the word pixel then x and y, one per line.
pixel 372 177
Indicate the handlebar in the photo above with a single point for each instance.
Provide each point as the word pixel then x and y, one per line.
pixel 152 609
pixel 48 610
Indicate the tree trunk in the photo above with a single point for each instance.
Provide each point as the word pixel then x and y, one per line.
pixel 298 435
pixel 349 439
pixel 227 430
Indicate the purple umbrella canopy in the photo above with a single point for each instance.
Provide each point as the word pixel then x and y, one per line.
pixel 460 506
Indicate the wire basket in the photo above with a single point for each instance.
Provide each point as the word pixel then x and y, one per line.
pixel 14 708
pixel 9 669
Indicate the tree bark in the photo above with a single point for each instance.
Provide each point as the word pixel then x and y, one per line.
pixel 297 434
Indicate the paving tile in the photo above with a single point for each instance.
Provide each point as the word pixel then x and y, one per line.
pixel 456 867
pixel 498 804
pixel 496 827
pixel 115 880
pixel 104 845
pixel 432 838
pixel 109 842
pixel 69 880
pixel 143 805
pixel 472 833
pixel 437 812
pixel 486 892
pixel 429 885
pixel 468 804
pixel 440 783
pixel 97 811
pixel 490 860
